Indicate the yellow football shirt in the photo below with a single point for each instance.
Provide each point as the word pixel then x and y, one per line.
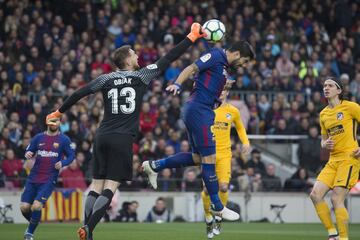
pixel 225 116
pixel 340 123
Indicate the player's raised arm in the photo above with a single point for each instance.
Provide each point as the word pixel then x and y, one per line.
pixel 153 70
pixel 205 62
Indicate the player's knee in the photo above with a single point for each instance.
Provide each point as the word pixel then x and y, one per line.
pixel 205 191
pixel 37 206
pixel 223 187
pixel 336 200
pixel 315 196
pixel 25 207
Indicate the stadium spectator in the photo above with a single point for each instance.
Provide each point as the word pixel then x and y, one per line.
pixel 159 213
pixel 250 181
pixel 166 182
pixel 128 212
pixel 256 163
pixel 12 168
pixel 271 182
pixel 191 182
pixel 147 118
pixel 2 177
pixel 309 152
pixel 73 177
pixel 299 181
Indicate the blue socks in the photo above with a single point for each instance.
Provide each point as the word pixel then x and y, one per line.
pixel 211 183
pixel 34 221
pixel 179 160
pixel 208 174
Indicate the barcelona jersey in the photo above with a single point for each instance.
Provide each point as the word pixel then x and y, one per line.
pixel 198 113
pixel 49 150
pixel 211 78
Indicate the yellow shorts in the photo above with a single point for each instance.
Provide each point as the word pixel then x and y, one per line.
pixel 223 166
pixel 340 173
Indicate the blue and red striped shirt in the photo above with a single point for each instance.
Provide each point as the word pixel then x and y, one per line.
pixel 49 150
pixel 211 78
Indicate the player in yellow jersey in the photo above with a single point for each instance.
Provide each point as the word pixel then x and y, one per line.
pixel 225 115
pixel 338 123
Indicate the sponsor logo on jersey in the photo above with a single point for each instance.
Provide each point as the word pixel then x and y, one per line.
pixel 206 57
pixel 336 130
pixel 220 125
pixel 56 145
pixel 44 153
pixel 339 116
pixel 152 66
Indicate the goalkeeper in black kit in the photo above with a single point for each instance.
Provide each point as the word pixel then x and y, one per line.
pixel 123 91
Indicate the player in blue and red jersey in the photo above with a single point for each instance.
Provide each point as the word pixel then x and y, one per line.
pixel 198 115
pixel 49 148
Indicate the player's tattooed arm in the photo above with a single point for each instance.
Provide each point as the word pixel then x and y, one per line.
pixel 184 75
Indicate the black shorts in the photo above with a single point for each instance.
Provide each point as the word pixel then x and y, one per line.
pixel 112 157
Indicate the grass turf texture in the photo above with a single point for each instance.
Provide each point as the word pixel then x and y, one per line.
pixel 176 231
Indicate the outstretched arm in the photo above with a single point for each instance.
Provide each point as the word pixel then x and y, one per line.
pixel 88 89
pixel 153 70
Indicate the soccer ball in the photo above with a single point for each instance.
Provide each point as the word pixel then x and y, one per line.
pixel 214 29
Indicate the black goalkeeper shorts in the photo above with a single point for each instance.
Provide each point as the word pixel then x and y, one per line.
pixel 112 157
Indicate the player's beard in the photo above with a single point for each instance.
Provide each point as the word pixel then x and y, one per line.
pixel 53 129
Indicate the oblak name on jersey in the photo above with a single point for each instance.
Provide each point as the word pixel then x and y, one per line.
pixel 122 81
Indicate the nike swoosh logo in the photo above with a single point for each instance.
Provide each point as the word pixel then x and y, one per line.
pixel 338 180
pixel 41 144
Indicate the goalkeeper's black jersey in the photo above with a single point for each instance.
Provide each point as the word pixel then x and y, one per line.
pixel 123 92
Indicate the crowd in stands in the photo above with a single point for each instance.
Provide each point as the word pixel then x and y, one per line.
pixel 50 48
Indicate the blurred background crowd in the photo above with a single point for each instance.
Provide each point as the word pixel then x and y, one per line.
pixel 49 50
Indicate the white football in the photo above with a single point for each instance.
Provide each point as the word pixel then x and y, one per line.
pixel 215 30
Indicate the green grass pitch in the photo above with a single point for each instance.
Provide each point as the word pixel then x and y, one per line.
pixel 176 231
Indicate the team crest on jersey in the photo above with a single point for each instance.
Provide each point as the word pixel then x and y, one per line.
pixel 56 145
pixel 228 116
pixel 339 116
pixel 206 57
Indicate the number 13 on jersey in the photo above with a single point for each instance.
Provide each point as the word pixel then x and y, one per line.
pixel 129 94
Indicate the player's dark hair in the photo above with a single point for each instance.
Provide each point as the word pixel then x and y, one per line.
pixel 245 49
pixel 339 85
pixel 120 55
